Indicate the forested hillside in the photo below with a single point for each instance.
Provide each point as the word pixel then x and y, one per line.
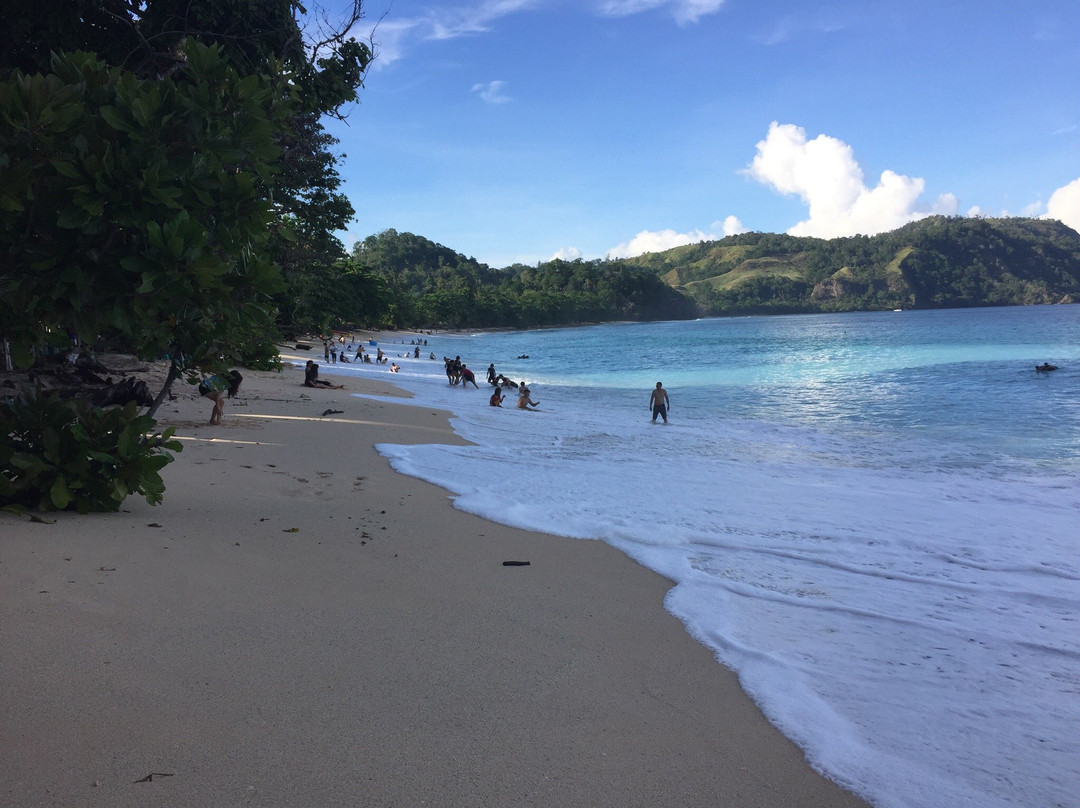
pixel 937 262
pixel 425 284
pixel 405 280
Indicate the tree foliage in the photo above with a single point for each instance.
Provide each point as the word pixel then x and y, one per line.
pixel 429 285
pixel 151 189
pixel 138 207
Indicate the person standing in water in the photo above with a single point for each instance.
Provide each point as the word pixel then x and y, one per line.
pixel 659 402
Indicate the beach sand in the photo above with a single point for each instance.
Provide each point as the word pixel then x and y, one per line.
pixel 299 625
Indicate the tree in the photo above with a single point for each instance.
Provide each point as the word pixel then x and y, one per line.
pixel 168 164
pixel 138 207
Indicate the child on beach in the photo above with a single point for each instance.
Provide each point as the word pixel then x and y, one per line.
pixel 524 399
pixel 215 387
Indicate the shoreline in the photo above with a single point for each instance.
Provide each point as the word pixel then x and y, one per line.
pixel 298 624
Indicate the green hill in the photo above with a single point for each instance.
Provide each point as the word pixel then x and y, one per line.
pixel 938 262
pixel 402 279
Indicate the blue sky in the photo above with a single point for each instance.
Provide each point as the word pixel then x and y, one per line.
pixel 519 130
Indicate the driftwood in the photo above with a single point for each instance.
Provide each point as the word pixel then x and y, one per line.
pixel 107 395
pixel 84 378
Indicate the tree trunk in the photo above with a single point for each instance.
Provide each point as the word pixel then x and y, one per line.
pixel 173 374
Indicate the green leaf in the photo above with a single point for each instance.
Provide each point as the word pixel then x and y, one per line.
pixel 113 118
pixel 59 494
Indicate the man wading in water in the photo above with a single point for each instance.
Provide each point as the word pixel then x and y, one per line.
pixel 659 402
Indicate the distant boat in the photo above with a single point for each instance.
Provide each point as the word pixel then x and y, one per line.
pixel 897 309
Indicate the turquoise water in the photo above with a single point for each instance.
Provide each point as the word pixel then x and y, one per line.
pixel 871 518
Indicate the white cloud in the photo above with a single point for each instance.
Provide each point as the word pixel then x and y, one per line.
pixel 392 36
pixel 1064 205
pixel 455 22
pixel 945 205
pixel 648 241
pixel 789 26
pixel 566 254
pixel 731 226
pixel 388 41
pixel 823 173
pixel 684 11
pixel 492 92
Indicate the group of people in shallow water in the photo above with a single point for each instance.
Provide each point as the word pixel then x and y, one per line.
pixel 457 372
pixel 216 388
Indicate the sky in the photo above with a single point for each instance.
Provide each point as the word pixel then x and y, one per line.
pixel 517 131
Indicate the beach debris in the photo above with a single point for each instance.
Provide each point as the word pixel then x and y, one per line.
pixel 106 569
pixel 333 412
pixel 41 520
pixel 291 530
pixel 150 777
pixel 515 563
pixel 152 524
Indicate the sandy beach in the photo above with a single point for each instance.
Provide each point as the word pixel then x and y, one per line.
pixel 298 625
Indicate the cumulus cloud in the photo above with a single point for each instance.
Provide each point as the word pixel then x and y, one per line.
pixel 648 241
pixel 1064 205
pixel 684 11
pixel 823 173
pixel 566 254
pixel 731 226
pixel 945 205
pixel 492 92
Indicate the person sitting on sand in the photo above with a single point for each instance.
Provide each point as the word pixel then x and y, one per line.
pixel 496 399
pixel 311 377
pixel 524 399
pixel 215 387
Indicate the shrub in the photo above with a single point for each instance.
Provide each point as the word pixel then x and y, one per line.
pixel 72 455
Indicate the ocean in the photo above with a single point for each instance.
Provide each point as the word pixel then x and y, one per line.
pixel 871 517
